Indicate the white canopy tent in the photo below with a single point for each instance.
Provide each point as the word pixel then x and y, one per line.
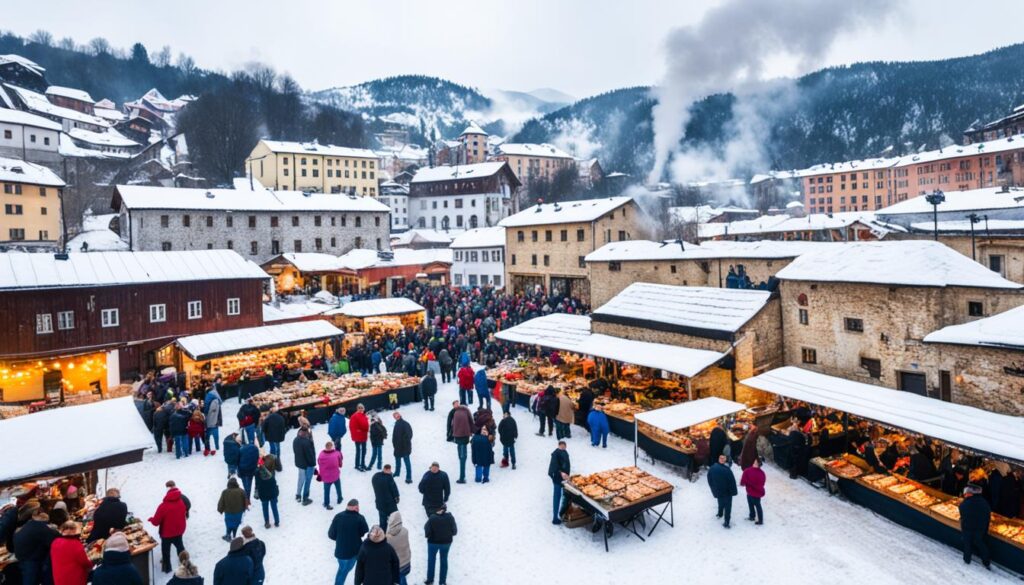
pixel 72 439
pixel 210 345
pixel 683 415
pixel 974 429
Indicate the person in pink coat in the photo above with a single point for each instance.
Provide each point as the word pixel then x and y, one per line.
pixel 329 463
pixel 753 479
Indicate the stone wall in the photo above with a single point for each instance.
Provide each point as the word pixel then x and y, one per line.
pixel 984 377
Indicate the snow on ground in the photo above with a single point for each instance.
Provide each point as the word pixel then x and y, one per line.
pixel 505 532
pixel 97 233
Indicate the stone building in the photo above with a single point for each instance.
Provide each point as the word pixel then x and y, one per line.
pixel 985 359
pixel 862 310
pixel 721 264
pixel 534 162
pixel 546 244
pixel 745 326
pixel 259 224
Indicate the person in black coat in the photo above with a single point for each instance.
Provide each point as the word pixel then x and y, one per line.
pixel 508 432
pixel 148 410
pixel 32 546
pixel 377 562
pixel 117 567
pixel 1010 497
pixel 975 516
pixel 257 550
pixel 305 460
pixel 723 487
pixel 549 408
pixel 110 515
pixel 585 402
pixel 922 468
pixel 275 427
pixel 559 468
pixel 797 453
pixel 435 488
pixel 347 530
pixel 236 568
pixel 954 473
pixel 440 531
pixel 716 444
pixel 161 418
pixel 401 440
pixel 428 389
pixel 385 494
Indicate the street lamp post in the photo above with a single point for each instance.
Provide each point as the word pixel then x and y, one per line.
pixel 974 218
pixel 934 199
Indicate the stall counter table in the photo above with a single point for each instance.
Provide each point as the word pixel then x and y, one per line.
pixel 318 412
pixel 629 517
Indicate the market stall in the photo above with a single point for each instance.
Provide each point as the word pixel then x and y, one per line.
pixel 246 359
pixel 984 435
pixel 77 442
pixel 318 399
pixel 627 496
pixel 675 434
pixel 375 317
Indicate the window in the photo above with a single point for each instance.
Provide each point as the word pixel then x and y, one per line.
pixel 16 234
pixel 8 134
pixel 234 306
pixel 231 245
pixel 42 191
pixel 65 320
pixel 855 325
pixel 376 221
pixel 547 260
pixel 975 309
pixel 297 245
pixel 802 313
pixel 254 248
pixel 165 246
pixel 195 309
pixel 622 235
pixel 458 279
pixel 533 260
pixel 252 221
pixel 564 235
pixel 186 220
pixel 11 209
pixel 165 221
pixel 334 241
pixel 996 263
pixel 672 268
pixel 359 221
pixel 472 280
pixel 808 355
pixel 533 236
pixel 580 235
pixel 582 262
pixel 496 280
pixel 12 189
pixel 273 221
pixel 520 236
pixel 157 313
pixel 295 221
pixel 110 318
pixel 44 323
pixel 614 266
pixel 873 366
pixel 317 220
pixel 513 259
pixel 547 235
pixel 359 242
pixel 318 243
pixel 209 221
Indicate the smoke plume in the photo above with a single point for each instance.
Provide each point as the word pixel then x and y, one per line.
pixel 730 49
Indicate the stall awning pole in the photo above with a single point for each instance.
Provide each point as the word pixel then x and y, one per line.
pixel 636 435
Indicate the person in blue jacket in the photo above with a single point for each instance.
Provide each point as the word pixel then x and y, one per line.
pixel 599 429
pixel 483 392
pixel 464 359
pixel 337 426
pixel 248 461
pixel 236 568
pixel 482 455
pixel 232 451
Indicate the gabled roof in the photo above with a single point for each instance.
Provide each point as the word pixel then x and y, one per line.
pixel 960 201
pixel 145 197
pixel 376 307
pixel 899 263
pixel 486 237
pixel 361 259
pixel 714 313
pixel 318 149
pixel 24 62
pixel 1004 330
pixel 70 92
pixel 309 261
pixel 207 346
pixel 37 102
pixel 19 117
pixel 111 138
pixel 421 235
pixel 458 172
pixel 13 170
pixel 473 128
pixel 646 250
pixel 769 224
pixel 20 270
pixel 565 212
pixel 527 149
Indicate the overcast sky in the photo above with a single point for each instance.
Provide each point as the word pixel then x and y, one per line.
pixel 581 47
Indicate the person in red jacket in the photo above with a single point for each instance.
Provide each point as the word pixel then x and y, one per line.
pixel 196 430
pixel 465 377
pixel 171 517
pixel 359 428
pixel 753 479
pixel 71 566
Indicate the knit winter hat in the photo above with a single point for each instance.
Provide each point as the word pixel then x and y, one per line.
pixel 377 534
pixel 117 542
pixel 237 544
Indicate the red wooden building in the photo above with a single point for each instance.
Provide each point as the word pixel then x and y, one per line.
pixel 84 323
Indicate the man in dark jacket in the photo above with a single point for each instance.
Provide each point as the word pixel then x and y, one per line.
pixel 548 408
pixel 179 431
pixel 236 568
pixel 723 487
pixel 586 402
pixel 257 550
pixel 385 494
pixel 248 415
pixel 461 431
pixel 401 440
pixel 975 516
pixel 440 531
pixel 377 562
pixel 110 515
pixel 508 432
pixel 274 429
pixel 716 443
pixel 428 389
pixel 232 452
pixel 161 418
pixel 248 461
pixel 435 488
pixel 558 470
pixel 305 461
pixel 148 410
pixel 32 546
pixel 347 530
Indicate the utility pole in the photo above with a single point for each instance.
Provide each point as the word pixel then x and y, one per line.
pixel 934 199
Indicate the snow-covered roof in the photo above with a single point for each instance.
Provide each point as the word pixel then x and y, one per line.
pixel 1003 330
pixel 694 310
pixel 572 333
pixel 210 345
pixel 424 235
pixel 27 63
pixel 97 234
pixel 565 212
pixel 487 237
pixel 905 263
pixel 13 170
pixel 286 311
pixel 68 148
pixel 972 428
pixel 377 307
pixel 70 92
pixel 767 224
pixel 843 167
pixel 686 414
pixel 960 201
pixel 105 104
pixel 37 102
pixel 964 226
pixel 794 204
pixel 103 433
pixel 19 117
pixel 311 261
pixel 527 149
pixel 21 270
pixel 694 214
pixel 455 172
pixel 319 149
pixel 145 197
pixel 473 128
pixel 361 259
pixel 107 114
pixel 646 250
pixel 111 138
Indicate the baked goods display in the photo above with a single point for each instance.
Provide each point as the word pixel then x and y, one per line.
pixel 621 487
pixel 948 509
pixel 921 498
pixel 843 468
pixel 139 541
pixel 331 390
pixel 902 488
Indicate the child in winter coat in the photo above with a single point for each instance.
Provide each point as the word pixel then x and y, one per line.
pixel 196 430
pixel 378 433
pixel 508 432
pixel 599 428
pixel 187 573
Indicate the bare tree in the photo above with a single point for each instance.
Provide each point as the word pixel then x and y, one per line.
pixel 262 75
pixel 186 64
pixel 41 37
pixel 66 43
pixel 99 46
pixel 163 57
